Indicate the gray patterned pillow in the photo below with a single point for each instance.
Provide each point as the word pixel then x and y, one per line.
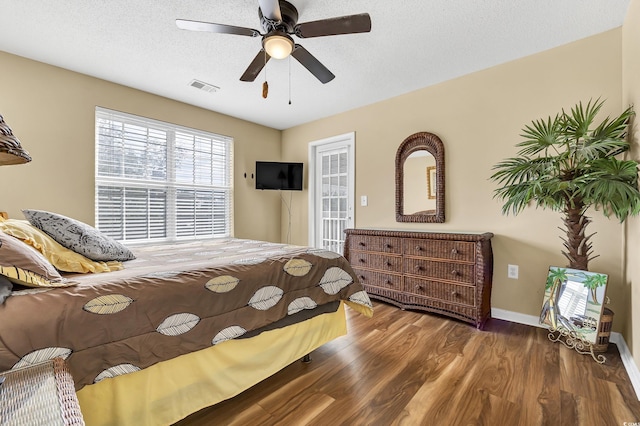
pixel 5 289
pixel 78 236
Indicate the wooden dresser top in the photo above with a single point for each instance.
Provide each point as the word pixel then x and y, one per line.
pixel 469 236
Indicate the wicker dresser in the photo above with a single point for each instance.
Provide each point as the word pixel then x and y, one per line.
pixel 445 273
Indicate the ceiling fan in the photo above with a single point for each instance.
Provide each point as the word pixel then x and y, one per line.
pixel 279 20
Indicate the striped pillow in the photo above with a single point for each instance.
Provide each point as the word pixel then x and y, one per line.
pixel 24 265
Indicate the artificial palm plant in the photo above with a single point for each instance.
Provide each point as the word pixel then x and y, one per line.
pixel 569 164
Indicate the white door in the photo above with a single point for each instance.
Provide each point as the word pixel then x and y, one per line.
pixel 331 191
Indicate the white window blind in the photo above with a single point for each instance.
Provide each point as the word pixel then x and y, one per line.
pixel 156 181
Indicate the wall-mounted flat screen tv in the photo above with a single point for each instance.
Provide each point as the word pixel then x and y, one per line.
pixel 275 175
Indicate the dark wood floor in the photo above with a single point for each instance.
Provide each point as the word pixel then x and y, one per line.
pixel 408 368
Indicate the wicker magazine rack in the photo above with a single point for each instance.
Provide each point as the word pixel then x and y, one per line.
pixel 42 394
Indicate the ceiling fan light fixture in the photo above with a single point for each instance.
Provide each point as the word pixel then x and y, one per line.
pixel 278 45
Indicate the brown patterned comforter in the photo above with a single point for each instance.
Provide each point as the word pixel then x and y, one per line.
pixel 171 300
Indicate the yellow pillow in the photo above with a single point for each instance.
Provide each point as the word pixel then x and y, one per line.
pixel 60 257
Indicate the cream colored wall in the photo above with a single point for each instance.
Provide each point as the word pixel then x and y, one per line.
pixel 479 118
pixel 631 92
pixel 51 111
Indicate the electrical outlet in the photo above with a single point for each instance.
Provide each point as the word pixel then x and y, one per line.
pixel 364 200
pixel 512 271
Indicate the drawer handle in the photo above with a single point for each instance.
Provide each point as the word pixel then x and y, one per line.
pixel 454 293
pixel 418 248
pixel 454 251
pixel 455 273
pixel 389 246
pixel 362 260
pixel 418 287
pixel 389 282
pixel 362 277
pixel 389 263
pixel 362 243
pixel 418 268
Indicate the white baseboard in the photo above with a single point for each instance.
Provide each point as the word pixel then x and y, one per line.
pixel 616 338
pixel 516 317
pixel 627 360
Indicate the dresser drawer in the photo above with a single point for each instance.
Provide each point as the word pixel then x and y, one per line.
pixel 389 295
pixel 381 262
pixel 463 294
pixel 373 243
pixel 463 312
pixel 450 271
pixel 448 250
pixel 379 279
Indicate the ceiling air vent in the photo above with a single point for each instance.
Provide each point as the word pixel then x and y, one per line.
pixel 204 86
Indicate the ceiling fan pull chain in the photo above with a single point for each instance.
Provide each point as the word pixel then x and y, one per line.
pixel 289 79
pixel 265 85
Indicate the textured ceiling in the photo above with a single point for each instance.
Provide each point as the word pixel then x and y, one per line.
pixel 412 44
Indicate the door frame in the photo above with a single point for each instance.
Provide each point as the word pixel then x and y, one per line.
pixel 347 140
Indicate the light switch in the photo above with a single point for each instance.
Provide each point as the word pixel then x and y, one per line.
pixel 364 200
pixel 512 271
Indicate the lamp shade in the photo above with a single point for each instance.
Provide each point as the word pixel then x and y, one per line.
pixel 278 45
pixel 11 152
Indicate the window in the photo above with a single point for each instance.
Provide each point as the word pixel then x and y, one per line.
pixel 157 181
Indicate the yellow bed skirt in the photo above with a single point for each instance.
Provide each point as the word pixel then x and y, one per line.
pixel 171 390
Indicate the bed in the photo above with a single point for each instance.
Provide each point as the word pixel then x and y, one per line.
pixel 182 326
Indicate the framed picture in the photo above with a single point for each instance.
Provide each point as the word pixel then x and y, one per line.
pixel 573 302
pixel 431 182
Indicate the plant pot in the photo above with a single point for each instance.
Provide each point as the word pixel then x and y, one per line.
pixel 604 331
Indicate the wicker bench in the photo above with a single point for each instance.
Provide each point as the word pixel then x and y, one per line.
pixel 42 394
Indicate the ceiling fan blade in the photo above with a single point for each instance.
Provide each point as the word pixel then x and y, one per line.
pixel 335 26
pixel 312 64
pixel 271 9
pixel 256 66
pixel 215 28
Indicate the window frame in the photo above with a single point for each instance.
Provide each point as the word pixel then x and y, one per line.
pixel 223 147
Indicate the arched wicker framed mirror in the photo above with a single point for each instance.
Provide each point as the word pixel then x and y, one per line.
pixel 420 186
